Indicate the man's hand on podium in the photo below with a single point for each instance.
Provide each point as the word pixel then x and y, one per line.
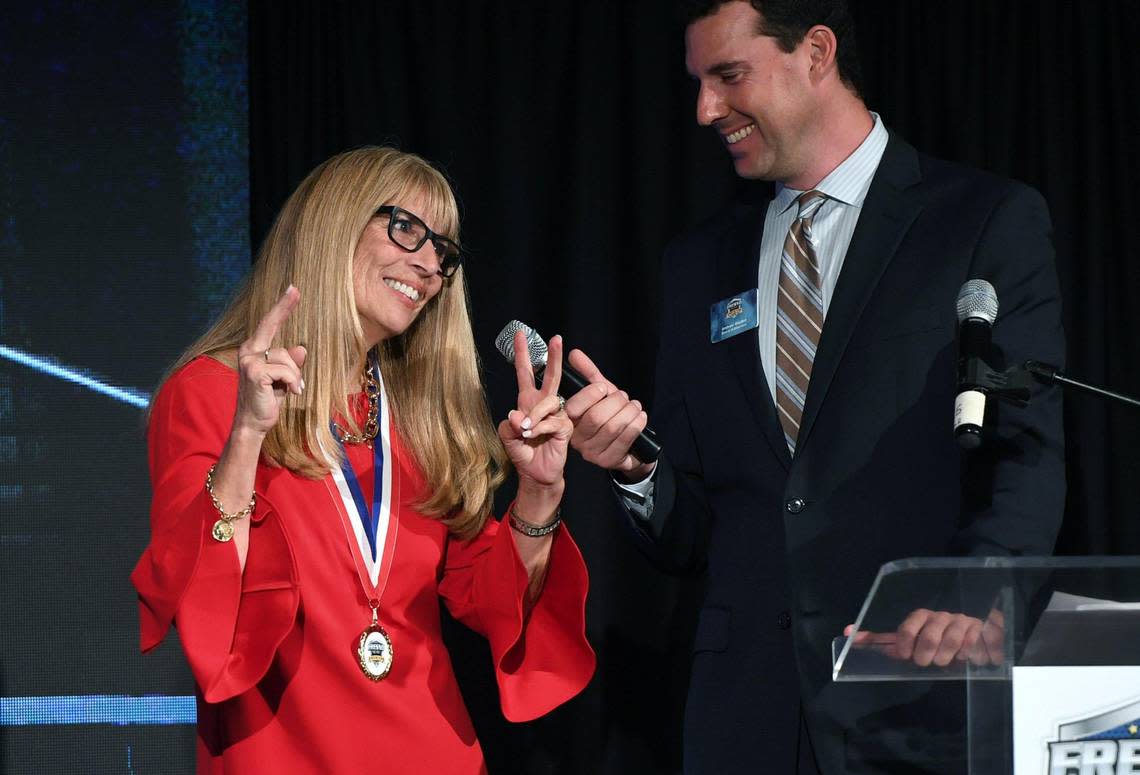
pixel 939 638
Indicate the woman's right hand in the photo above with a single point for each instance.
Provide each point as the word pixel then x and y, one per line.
pixel 265 372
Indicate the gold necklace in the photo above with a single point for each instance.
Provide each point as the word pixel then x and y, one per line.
pixel 372 424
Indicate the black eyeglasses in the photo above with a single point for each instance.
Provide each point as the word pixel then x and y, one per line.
pixel 410 233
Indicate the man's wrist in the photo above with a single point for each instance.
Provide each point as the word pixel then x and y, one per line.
pixel 636 475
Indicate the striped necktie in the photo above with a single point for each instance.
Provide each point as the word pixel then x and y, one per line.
pixel 799 317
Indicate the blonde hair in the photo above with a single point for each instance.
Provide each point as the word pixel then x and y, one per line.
pixel 431 371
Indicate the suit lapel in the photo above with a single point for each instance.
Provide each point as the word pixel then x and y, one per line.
pixel 737 269
pixel 886 217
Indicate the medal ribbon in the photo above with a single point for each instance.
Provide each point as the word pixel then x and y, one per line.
pixel 369 519
pixel 371 528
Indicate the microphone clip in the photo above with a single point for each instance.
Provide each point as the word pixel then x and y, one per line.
pixel 1011 385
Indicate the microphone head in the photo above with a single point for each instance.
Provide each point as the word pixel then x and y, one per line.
pixel 535 346
pixel 978 300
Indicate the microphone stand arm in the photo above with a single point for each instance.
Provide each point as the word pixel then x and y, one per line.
pixel 1050 375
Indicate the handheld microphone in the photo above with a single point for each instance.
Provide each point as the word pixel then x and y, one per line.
pixel 977 310
pixel 646 447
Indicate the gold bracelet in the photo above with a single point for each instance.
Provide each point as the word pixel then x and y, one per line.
pixel 223 530
pixel 530 529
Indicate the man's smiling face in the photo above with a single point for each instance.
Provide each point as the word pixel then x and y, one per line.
pixel 756 96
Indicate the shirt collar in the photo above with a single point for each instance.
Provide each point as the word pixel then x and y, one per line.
pixel 849 182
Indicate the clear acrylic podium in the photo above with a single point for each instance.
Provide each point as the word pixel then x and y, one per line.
pixel 1058 611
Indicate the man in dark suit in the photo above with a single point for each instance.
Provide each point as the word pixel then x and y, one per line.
pixel 805 384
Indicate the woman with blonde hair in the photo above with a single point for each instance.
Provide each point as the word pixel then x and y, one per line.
pixel 323 467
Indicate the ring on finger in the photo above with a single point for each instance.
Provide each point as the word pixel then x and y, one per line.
pixel 266 354
pixel 561 404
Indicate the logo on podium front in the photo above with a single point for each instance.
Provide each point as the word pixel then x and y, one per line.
pixel 1107 742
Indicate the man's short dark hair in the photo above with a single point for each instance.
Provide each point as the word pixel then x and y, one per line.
pixel 788 22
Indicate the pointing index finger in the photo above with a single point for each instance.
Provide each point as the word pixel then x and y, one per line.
pixel 262 338
pixel 585 366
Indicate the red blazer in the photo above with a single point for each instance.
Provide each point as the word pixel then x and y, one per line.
pixel 273 649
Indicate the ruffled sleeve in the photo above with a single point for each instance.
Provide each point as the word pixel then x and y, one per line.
pixel 540 661
pixel 230 624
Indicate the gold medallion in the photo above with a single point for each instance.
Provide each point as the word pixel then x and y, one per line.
pixel 223 531
pixel 375 652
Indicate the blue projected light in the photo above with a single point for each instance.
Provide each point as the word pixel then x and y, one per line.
pixel 144 131
pixel 96 709
pixel 49 367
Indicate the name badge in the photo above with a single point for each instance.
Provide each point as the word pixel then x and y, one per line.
pixel 733 316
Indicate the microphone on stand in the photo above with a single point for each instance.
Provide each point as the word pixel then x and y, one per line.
pixel 646 447
pixel 977 311
pixel 977 381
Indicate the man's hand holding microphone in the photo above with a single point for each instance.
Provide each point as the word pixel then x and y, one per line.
pixel 610 428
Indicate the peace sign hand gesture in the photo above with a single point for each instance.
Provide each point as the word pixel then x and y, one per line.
pixel 266 373
pixel 537 434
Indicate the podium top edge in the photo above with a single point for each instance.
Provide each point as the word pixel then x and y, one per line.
pixel 1089 562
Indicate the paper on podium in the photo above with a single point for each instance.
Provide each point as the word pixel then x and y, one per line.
pixel 1077 630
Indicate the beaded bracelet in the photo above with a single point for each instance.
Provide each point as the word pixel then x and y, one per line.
pixel 532 530
pixel 223 530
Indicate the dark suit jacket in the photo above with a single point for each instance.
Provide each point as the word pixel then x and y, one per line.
pixel 877 468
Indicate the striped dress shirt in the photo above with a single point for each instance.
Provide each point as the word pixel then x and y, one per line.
pixel 845 187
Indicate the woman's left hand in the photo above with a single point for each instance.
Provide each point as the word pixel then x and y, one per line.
pixel 537 433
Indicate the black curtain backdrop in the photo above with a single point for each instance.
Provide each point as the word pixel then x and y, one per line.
pixel 568 130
